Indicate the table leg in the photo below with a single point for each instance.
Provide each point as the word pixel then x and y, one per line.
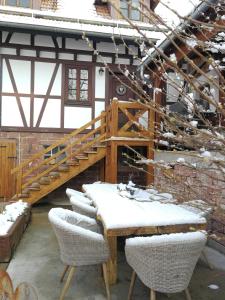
pixel 112 262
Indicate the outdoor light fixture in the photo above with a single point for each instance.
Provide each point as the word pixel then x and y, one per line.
pixel 101 71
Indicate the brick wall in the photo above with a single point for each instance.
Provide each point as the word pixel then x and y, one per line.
pixel 29 143
pixel 188 183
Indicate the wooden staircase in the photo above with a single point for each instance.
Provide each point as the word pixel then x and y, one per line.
pixel 120 125
pixel 37 176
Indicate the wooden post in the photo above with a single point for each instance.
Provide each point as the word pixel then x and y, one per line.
pixel 111 162
pixel 19 183
pixel 114 123
pixel 150 148
pixel 112 262
pixel 150 168
pixel 103 121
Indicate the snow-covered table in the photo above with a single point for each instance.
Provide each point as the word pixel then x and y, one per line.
pixel 122 216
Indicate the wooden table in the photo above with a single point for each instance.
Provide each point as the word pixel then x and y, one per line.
pixel 123 217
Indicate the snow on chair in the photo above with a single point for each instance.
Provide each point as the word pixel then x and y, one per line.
pixel 164 263
pixel 79 233
pixel 82 207
pixel 79 195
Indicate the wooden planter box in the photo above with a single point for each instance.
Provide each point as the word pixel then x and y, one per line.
pixel 9 241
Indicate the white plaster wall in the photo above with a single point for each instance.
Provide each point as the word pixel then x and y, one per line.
pixel 37 108
pixel 43 75
pixel 43 40
pixel 123 61
pixel 99 83
pixel 4 35
pixel 75 117
pixel 10 112
pixel 9 51
pixel 52 114
pixel 82 57
pixel 20 38
pixel 22 74
pixel 110 47
pixel 25 52
pixel 143 120
pixel 25 101
pixel 6 81
pixel 66 56
pixel 47 54
pixel 104 59
pixel 77 44
pixel 99 107
pixel 59 40
pixel 57 86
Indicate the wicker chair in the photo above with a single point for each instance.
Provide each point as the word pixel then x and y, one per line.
pixel 203 209
pixel 82 208
pixel 79 195
pixel 164 263
pixel 79 243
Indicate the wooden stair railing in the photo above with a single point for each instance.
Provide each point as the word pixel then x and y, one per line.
pixel 129 119
pixel 68 160
pixel 38 176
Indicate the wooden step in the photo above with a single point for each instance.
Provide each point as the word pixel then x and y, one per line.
pixel 25 191
pixel 31 188
pixel 35 185
pixel 45 180
pixel 81 157
pixel 54 174
pixel 19 196
pixel 72 163
pixel 63 168
pixel 90 152
pixel 99 146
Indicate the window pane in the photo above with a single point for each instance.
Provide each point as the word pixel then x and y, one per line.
pixel 72 73
pixel 124 12
pixel 11 2
pixel 84 74
pixel 24 3
pixel 135 15
pixel 83 84
pixel 72 84
pixel 83 95
pixel 123 4
pixel 72 94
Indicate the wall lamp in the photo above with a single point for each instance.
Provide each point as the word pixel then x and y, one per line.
pixel 101 71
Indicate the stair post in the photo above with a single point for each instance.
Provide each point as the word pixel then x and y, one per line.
pixel 111 149
pixel 19 183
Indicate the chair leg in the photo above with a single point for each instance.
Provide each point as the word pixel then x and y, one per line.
pixel 187 293
pixel 66 286
pixel 206 259
pixel 132 282
pixel 105 275
pixel 64 273
pixel 152 295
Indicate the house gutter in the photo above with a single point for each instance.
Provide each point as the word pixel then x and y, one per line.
pixel 201 8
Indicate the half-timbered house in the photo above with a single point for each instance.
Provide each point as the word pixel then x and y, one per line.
pixel 54 80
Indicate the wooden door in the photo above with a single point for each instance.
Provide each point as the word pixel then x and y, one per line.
pixel 7 163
